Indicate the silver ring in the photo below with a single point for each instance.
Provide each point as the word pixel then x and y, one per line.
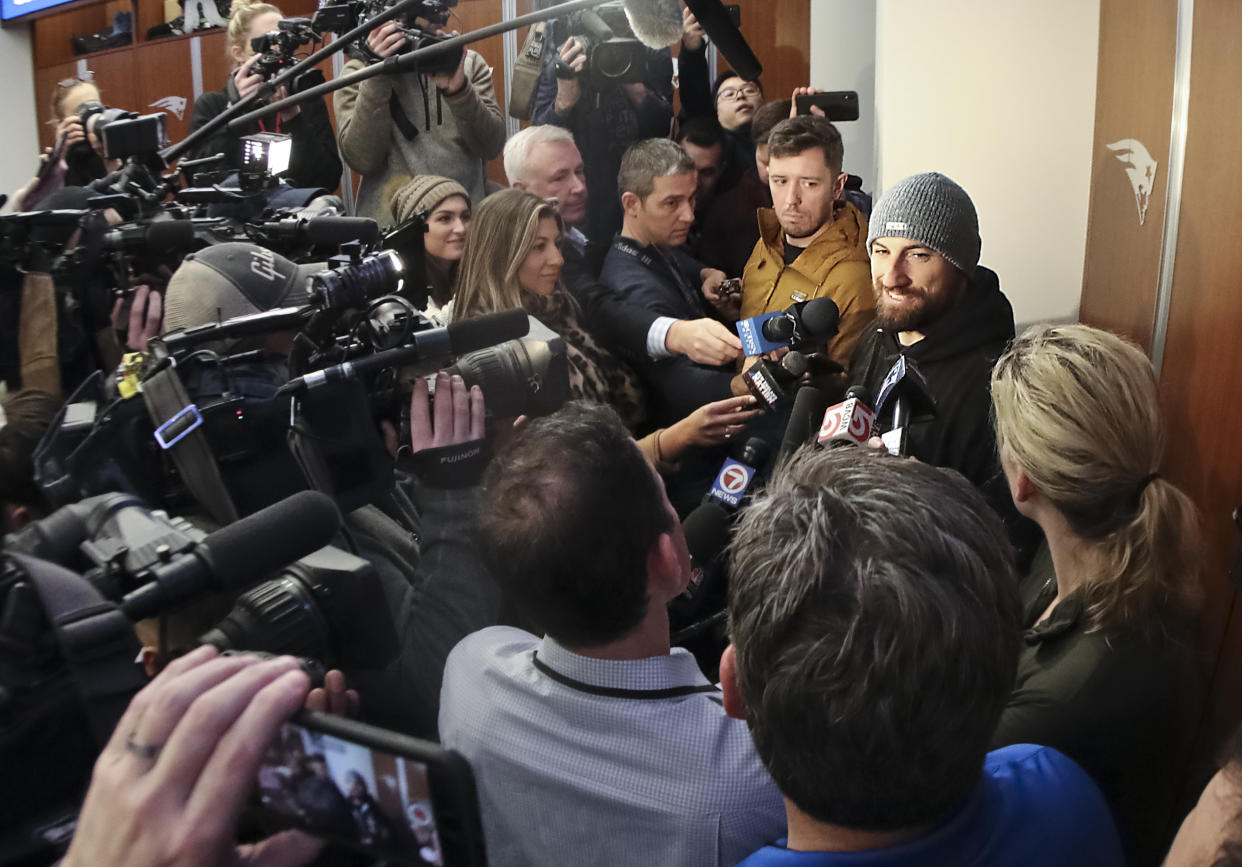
pixel 144 751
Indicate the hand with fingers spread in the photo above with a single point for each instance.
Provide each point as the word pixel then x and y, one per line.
pixel 709 425
pixel 447 446
pixel 170 785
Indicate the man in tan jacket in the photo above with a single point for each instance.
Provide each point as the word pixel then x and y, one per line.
pixel 812 243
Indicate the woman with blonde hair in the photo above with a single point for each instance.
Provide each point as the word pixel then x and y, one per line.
pixel 314 161
pixel 513 260
pixel 1106 662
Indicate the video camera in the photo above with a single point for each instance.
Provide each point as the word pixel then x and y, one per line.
pixel 419 25
pixel 123 133
pixel 614 54
pixel 276 47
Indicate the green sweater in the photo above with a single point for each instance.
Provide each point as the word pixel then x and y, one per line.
pixel 1116 704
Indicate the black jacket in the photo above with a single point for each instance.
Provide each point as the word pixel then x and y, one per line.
pixel 956 356
pixel 620 326
pixel 314 162
pixel 666 287
pixel 697 100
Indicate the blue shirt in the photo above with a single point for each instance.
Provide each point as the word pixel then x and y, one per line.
pixel 614 763
pixel 1035 807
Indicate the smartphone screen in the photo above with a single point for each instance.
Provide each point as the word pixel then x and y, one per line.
pixel 351 793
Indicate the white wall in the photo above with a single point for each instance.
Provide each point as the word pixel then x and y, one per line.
pixel 19 136
pixel 843 58
pixel 1000 96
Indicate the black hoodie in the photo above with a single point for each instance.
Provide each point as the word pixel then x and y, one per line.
pixel 956 355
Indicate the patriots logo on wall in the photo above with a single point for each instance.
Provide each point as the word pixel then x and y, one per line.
pixel 175 104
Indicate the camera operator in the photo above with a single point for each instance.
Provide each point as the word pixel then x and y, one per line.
pixel 390 125
pixel 605 117
pixel 314 161
pixel 76 158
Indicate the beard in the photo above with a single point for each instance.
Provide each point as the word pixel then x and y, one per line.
pixel 917 313
pixel 825 217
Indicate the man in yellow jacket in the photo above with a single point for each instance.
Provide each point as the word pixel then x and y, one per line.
pixel 812 244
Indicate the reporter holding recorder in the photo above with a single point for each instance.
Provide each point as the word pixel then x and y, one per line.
pixel 1107 664
pixel 314 161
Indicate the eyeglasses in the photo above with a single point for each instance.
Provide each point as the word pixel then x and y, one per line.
pixel 747 90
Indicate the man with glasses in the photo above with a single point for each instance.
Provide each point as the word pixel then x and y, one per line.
pixel 732 102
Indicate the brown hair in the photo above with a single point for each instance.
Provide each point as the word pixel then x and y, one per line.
pixel 1078 409
pixel 793 135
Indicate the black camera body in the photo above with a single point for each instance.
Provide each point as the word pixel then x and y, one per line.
pixel 123 133
pixel 276 47
pixel 614 55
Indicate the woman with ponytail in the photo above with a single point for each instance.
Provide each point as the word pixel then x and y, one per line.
pixel 314 160
pixel 1107 660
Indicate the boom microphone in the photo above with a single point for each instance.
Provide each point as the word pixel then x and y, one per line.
pixel 729 41
pixel 239 554
pixel 656 23
pixel 166 236
pixel 323 231
pixel 458 338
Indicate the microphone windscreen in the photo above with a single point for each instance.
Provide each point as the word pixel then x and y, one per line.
pixel 821 317
pixel 707 530
pixel 471 334
pixel 859 392
pixel 169 235
pixel 795 362
pixel 719 27
pixel 245 551
pixel 778 329
pixel 340 230
pixel 656 23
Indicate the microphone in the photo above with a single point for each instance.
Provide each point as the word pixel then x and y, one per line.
pixel 162 237
pixel 707 530
pixel 907 389
pixel 729 41
pixel 773 382
pixel 458 338
pixel 801 324
pixel 239 554
pixel 733 480
pixel 849 422
pixel 656 23
pixel 322 231
pixel 808 409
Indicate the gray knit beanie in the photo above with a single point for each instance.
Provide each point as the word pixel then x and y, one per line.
pixel 933 210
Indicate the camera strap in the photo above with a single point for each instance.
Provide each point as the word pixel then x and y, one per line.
pixel 400 118
pixel 96 639
pixel 178 430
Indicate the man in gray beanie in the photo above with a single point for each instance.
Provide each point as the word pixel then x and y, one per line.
pixel 939 311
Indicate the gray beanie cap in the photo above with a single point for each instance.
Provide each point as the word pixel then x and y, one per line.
pixel 933 210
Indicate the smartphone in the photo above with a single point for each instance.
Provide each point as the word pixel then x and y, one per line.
pixel 397 798
pixel 735 13
pixel 837 104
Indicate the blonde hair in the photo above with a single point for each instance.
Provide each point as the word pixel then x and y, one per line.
pixel 503 231
pixel 1078 409
pixel 241 15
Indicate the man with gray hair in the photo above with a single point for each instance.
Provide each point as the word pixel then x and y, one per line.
pixel 940 311
pixel 546 161
pixel 874 620
pixel 645 266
